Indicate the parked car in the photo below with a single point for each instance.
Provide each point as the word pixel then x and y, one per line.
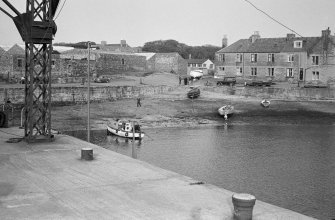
pixel 258 83
pixel 196 74
pixel 227 80
pixel 101 79
pixel 315 84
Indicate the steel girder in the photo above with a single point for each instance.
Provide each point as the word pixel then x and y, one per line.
pixel 38 52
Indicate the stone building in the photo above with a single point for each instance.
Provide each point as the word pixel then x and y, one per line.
pixel 74 62
pixel 206 65
pixel 123 47
pixel 12 63
pixel 290 58
pixel 70 65
pixel 167 62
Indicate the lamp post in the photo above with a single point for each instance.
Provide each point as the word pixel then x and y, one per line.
pixel 88 91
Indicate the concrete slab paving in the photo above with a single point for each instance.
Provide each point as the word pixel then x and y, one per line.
pixel 50 181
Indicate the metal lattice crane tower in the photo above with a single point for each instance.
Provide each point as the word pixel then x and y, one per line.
pixel 37 28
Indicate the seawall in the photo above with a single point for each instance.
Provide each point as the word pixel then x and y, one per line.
pixel 100 93
pixel 79 93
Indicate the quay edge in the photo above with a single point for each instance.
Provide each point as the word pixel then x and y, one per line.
pixel 50 181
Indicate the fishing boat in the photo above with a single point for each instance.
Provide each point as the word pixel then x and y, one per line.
pixel 193 93
pixel 226 111
pixel 125 128
pixel 265 103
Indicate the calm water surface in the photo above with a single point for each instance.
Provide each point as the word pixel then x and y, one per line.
pixel 291 166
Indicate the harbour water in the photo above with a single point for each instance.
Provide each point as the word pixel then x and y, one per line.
pixel 289 165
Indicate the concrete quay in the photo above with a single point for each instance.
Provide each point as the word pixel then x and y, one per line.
pixel 50 181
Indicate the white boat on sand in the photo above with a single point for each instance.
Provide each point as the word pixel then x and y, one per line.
pixel 265 103
pixel 226 111
pixel 125 128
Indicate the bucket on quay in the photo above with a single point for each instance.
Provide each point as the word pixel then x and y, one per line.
pixel 87 153
pixel 243 206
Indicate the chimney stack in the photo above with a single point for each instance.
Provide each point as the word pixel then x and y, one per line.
pixel 123 43
pixel 290 36
pixel 224 41
pixel 254 37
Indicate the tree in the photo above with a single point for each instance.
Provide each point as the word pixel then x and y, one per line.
pixel 168 46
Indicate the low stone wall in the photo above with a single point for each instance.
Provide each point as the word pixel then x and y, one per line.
pixel 79 93
pixel 293 93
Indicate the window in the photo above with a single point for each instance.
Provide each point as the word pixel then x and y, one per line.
pixel 254 57
pixel 238 57
pixel 211 66
pixel 316 75
pixel 19 62
pixel 271 71
pixel 289 72
pixel 290 58
pixel 204 65
pixel 297 44
pixel 221 57
pixel 253 71
pixel 193 64
pixel 199 65
pixel 189 65
pixel 315 60
pixel 239 71
pixel 271 57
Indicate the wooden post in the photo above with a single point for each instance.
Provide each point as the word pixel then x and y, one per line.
pixel 133 150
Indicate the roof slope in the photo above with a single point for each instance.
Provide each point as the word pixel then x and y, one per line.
pixel 2 51
pixel 200 61
pixel 16 49
pixel 277 45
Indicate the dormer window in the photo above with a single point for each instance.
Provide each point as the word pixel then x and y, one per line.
pixel 298 44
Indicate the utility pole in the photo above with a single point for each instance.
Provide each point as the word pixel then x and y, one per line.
pixel 88 91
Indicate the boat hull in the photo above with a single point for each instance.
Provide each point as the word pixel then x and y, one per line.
pixel 226 111
pixel 265 103
pixel 125 134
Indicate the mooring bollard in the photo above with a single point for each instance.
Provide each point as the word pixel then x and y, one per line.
pixel 87 153
pixel 243 206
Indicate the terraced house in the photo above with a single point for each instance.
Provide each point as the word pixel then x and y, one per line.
pixel 293 59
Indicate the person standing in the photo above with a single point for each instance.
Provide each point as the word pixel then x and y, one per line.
pixel 139 102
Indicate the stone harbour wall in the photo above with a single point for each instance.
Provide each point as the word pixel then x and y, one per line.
pixel 79 93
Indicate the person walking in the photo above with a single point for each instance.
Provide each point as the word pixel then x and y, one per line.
pixel 139 102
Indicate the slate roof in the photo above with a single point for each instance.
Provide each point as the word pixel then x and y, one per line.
pixel 15 50
pixel 276 45
pixel 2 51
pixel 198 61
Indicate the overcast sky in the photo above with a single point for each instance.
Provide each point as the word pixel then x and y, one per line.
pixel 193 22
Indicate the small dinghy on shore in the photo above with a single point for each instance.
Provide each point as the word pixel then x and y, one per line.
pixel 226 111
pixel 125 128
pixel 265 103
